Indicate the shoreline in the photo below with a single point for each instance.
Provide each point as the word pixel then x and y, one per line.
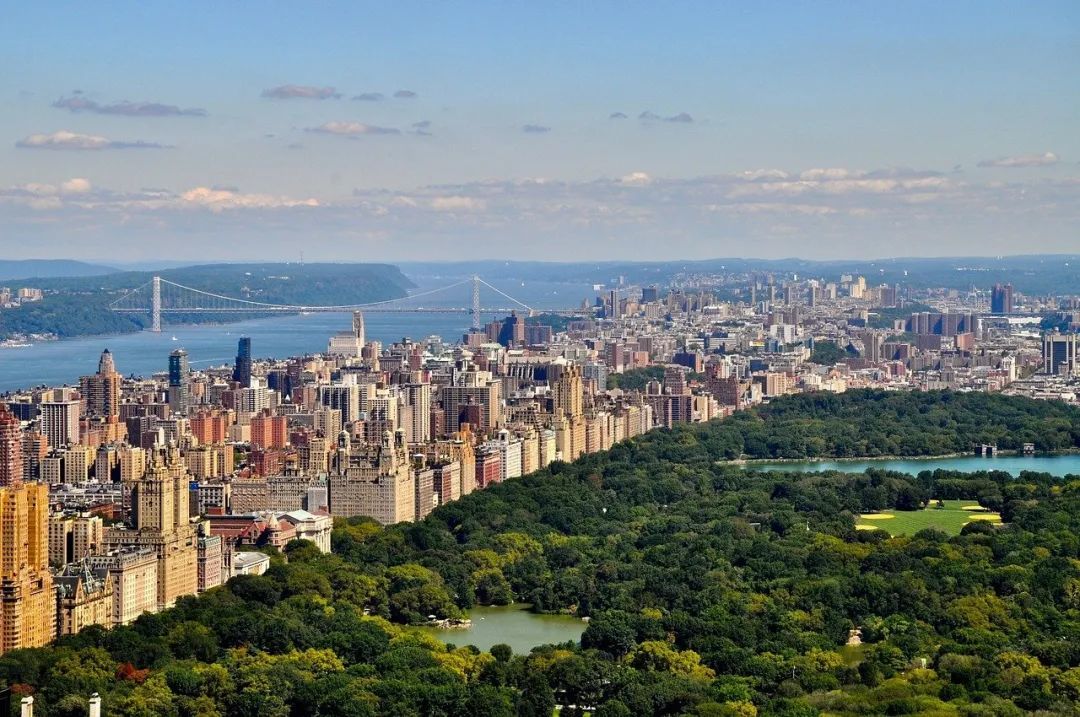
pixel 928 457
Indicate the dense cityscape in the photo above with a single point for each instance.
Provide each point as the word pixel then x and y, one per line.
pixel 130 493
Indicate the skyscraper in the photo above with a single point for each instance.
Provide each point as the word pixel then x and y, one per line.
pixel 1060 354
pixel 161 521
pixel 60 421
pixel 512 330
pixel 1001 299
pixel 27 598
pixel 102 390
pixel 358 326
pixel 11 463
pixel 242 369
pixel 179 374
pixel 567 389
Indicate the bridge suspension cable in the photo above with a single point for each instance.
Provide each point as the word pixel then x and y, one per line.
pixel 171 297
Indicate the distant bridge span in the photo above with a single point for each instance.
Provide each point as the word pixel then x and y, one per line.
pixel 160 296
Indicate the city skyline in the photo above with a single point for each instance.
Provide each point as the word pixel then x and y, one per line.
pixel 604 131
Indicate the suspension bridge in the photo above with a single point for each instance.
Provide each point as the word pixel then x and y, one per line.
pixel 160 297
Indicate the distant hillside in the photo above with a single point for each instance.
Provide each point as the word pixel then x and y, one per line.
pixel 78 306
pixel 1033 274
pixel 34 268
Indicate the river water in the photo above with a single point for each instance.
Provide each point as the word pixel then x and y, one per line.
pixel 58 362
pixel 512 625
pixel 1057 465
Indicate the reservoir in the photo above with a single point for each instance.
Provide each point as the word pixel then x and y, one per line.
pixel 1057 465
pixel 513 625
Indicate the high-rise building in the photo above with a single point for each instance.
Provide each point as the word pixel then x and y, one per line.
pixel 242 369
pixel 1060 354
pixel 418 399
pixel 102 389
pixel 349 344
pixel 269 431
pixel 567 389
pixel 358 326
pixel 11 449
pixel 675 381
pixel 27 598
pixel 179 382
pixel 1001 299
pixel 60 422
pixel 512 330
pixel 161 521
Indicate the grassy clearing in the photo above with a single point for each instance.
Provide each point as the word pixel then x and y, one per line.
pixel 950 519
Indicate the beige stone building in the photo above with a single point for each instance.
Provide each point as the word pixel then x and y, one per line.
pixel 134 575
pixel 27 596
pixel 84 597
pixel 376 481
pixel 74 537
pixel 161 521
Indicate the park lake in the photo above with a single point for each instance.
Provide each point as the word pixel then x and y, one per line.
pixel 951 515
pixel 513 625
pixel 1055 464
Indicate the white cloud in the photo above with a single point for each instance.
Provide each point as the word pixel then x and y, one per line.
pixel 828 173
pixel 222 199
pixel 64 139
pixel 1022 160
pixel 458 204
pixel 77 185
pixel 351 129
pixel 846 210
pixel 638 179
pixel 754 175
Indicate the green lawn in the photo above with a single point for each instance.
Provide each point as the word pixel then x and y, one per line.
pixel 949 519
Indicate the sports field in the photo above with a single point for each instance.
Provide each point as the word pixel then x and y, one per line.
pixel 950 519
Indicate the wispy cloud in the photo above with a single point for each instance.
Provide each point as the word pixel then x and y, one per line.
pixel 844 210
pixel 220 199
pixel 351 129
pixel 535 129
pixel 1022 160
pixel 422 127
pixel 649 116
pixel 617 115
pixel 64 139
pixel 79 103
pixel 306 92
pixel 406 95
pixel 370 97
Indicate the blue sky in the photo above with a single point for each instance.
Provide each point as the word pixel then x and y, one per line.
pixel 456 130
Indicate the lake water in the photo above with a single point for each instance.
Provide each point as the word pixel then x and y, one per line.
pixel 511 625
pixel 145 353
pixel 1058 465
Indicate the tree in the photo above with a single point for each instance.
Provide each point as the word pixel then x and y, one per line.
pixel 610 632
pixel 536 698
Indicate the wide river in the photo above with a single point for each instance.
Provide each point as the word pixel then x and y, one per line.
pixel 511 625
pixel 1058 465
pixel 62 362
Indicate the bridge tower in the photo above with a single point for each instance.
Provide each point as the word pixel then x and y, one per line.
pixel 155 307
pixel 475 311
